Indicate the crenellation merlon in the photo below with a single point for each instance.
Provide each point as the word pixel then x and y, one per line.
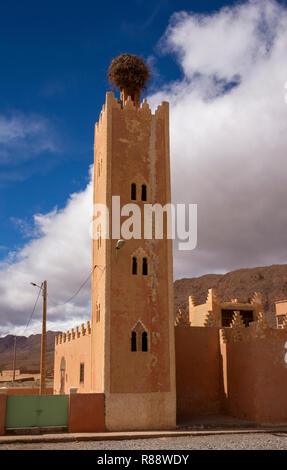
pixel 162 110
pixel 144 107
pixel 129 105
pixel 112 102
pixel 74 334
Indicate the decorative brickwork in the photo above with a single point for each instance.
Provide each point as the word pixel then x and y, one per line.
pixel 222 312
pixel 223 336
pixel 70 336
pixel 237 326
pixel 182 319
pixel 210 320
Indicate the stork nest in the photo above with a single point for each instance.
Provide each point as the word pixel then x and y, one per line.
pixel 128 71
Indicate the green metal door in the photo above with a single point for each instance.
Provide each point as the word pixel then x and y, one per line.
pixel 37 410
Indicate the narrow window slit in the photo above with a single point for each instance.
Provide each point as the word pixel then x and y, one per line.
pixel 134 341
pixel 144 342
pixel 134 265
pixel 145 268
pixel 143 192
pixel 82 373
pixel 133 192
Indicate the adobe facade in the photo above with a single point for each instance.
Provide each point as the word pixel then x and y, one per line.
pixel 72 363
pixel 135 364
pixel 129 354
pixel 237 370
pixel 215 312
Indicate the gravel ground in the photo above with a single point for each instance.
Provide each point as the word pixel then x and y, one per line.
pixel 270 441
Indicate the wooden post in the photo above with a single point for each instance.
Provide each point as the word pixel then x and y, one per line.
pixel 43 343
pixel 14 359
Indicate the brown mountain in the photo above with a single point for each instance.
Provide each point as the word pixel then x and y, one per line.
pixel 270 281
pixel 28 352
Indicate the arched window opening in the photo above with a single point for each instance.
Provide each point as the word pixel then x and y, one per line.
pixel 134 266
pixel 145 270
pixel 134 341
pixel 143 192
pixel 144 342
pixel 134 192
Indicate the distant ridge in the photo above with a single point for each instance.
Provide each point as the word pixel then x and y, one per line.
pixel 270 281
pixel 28 352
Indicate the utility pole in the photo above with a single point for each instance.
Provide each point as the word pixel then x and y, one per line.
pixel 14 360
pixel 43 342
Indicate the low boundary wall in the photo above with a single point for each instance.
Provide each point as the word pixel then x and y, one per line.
pixel 83 412
pixel 198 373
pixel 87 412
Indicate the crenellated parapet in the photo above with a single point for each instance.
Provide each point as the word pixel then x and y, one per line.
pixel 74 334
pixel 206 314
pixel 237 326
pixel 258 330
pixel 210 320
pixel 192 301
pixel 216 312
pixel 256 298
pixel 129 106
pixel 260 327
pixel 212 297
pixel 237 321
pixel 182 319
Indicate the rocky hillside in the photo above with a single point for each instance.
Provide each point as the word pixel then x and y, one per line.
pixel 270 281
pixel 28 352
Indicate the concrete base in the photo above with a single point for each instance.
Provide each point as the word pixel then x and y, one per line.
pixel 140 411
pixel 109 436
pixel 34 431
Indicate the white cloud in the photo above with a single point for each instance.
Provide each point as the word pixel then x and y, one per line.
pixel 228 148
pixel 228 144
pixel 22 136
pixel 61 254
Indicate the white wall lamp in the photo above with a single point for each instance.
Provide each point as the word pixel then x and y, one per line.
pixel 119 245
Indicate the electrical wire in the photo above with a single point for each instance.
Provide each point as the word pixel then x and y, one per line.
pixel 64 303
pixel 80 288
pixel 34 308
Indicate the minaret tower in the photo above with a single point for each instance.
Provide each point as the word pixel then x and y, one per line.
pixel 133 358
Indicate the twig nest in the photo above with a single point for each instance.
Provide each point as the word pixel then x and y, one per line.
pixel 128 71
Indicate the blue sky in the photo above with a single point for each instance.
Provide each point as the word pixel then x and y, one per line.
pixel 225 76
pixel 54 58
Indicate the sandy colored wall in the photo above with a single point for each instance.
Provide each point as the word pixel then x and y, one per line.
pixel 281 308
pixel 198 374
pixel 198 315
pixel 134 147
pixel 2 413
pixel 102 150
pixel 239 381
pixel 87 412
pixel 75 352
pixel 256 375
